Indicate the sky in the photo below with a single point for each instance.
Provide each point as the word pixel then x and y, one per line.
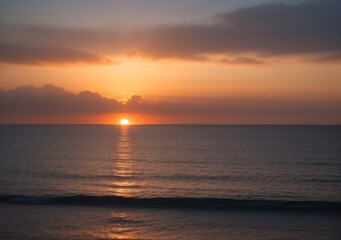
pixel 170 61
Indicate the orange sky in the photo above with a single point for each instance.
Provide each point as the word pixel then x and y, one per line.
pixel 175 78
pixel 175 68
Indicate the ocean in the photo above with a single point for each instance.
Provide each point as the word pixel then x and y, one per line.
pixel 170 182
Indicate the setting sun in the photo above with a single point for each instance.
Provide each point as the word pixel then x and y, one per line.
pixel 124 122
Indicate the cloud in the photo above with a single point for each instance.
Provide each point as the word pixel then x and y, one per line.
pixel 268 30
pixel 11 54
pixel 40 45
pixel 335 57
pixel 307 30
pixel 52 100
pixel 277 28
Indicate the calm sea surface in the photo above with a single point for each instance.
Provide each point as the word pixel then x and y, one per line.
pixel 170 182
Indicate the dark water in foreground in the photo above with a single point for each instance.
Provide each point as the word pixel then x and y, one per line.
pixel 170 182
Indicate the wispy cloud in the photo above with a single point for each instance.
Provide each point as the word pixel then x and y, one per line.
pixel 44 55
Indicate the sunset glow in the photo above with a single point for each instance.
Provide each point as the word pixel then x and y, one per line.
pixel 220 64
pixel 170 119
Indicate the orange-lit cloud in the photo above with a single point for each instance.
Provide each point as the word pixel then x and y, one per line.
pixel 309 31
pixel 51 100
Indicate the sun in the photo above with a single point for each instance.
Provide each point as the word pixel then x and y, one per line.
pixel 125 122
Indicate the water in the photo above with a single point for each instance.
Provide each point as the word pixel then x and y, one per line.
pixel 170 182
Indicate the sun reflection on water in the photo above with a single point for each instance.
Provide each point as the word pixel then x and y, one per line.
pixel 122 225
pixel 123 168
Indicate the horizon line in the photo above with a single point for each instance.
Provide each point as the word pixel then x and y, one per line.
pixel 168 124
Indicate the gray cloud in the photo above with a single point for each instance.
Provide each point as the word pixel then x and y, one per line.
pixel 42 55
pixel 52 100
pixel 276 28
pixel 272 29
pixel 310 30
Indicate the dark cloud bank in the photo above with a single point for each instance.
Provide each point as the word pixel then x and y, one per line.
pixel 310 30
pixel 52 100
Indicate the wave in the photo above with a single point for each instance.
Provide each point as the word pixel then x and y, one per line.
pixel 177 203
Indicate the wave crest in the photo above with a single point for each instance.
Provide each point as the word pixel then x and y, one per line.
pixel 178 203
